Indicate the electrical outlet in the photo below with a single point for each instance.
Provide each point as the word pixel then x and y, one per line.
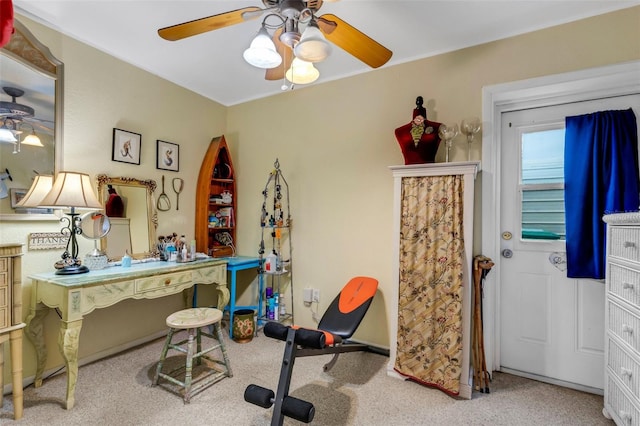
pixel 316 295
pixel 307 295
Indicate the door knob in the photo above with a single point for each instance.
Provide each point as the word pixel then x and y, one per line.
pixel 507 253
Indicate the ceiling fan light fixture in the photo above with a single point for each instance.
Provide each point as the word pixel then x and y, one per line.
pixel 32 140
pixel 7 135
pixel 262 51
pixel 302 72
pixel 313 47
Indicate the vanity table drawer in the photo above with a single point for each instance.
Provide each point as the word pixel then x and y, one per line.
pixel 625 243
pixel 162 281
pixel 214 274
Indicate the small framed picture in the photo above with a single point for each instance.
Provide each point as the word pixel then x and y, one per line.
pixel 167 156
pixel 16 196
pixel 126 146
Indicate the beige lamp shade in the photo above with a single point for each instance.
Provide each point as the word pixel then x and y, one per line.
pixel 71 189
pixel 39 189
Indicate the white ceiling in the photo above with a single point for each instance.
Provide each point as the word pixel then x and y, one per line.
pixel 211 64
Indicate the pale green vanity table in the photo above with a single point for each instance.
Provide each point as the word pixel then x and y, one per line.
pixel 78 295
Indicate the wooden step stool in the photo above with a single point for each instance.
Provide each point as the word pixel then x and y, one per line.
pixel 194 320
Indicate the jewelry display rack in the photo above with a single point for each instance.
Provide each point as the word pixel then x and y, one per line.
pixel 275 271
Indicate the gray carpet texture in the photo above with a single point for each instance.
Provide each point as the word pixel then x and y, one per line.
pixel 357 391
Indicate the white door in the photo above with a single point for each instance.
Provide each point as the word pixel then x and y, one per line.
pixel 551 326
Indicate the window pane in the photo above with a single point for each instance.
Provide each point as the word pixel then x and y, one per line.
pixel 543 210
pixel 543 157
pixel 543 175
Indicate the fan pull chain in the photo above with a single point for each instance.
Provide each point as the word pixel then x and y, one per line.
pixel 284 76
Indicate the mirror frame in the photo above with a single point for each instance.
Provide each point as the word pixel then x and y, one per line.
pixel 25 48
pixel 152 214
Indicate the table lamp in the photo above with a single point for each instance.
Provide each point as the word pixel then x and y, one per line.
pixel 70 190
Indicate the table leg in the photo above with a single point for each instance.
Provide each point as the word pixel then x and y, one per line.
pixel 35 333
pixel 2 342
pixel 232 301
pixel 16 371
pixel 68 344
pixel 223 296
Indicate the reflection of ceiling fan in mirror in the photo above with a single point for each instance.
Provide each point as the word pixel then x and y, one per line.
pixel 14 114
pixel 299 38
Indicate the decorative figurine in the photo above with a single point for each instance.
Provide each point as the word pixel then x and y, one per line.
pixel 419 139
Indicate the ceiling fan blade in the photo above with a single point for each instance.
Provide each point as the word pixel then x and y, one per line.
pixel 285 51
pixel 353 41
pixel 41 126
pixel 203 25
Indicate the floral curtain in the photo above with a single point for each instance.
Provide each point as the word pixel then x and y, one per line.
pixel 429 348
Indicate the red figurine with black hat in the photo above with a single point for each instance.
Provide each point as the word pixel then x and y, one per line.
pixel 419 139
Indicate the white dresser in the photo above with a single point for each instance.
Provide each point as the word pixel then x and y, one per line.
pixel 622 316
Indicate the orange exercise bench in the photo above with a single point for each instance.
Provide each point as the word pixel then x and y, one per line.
pixel 337 325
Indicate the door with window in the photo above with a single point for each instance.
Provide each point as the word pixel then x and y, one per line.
pixel 551 326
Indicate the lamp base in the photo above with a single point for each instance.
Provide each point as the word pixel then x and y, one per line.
pixel 71 270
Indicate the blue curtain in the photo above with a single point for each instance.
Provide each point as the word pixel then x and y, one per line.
pixel 601 177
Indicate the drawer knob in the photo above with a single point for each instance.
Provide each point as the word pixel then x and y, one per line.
pixel 624 372
pixel 629 244
pixel 627 329
pixel 625 416
pixel 628 286
pixel 167 281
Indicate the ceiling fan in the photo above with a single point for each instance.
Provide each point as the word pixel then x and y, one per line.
pixel 14 116
pixel 287 18
pixel 17 112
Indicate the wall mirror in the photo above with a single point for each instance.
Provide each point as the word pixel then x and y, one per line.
pixel 34 78
pixel 134 230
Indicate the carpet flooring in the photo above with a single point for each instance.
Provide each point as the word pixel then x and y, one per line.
pixel 357 391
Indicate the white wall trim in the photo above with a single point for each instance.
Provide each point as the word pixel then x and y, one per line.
pixel 614 80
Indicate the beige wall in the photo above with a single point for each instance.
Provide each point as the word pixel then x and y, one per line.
pixel 334 141
pixel 100 93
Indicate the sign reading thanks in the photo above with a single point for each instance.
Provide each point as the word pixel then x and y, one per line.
pixel 47 240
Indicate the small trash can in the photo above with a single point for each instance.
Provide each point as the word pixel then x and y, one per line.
pixel 244 325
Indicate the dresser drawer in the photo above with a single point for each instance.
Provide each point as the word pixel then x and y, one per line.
pixel 4 264
pixel 4 318
pixel 623 410
pixel 4 279
pixel 624 324
pixel 4 296
pixel 162 281
pixel 625 283
pixel 624 367
pixel 625 242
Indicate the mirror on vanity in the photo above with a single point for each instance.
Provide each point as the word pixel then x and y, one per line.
pixel 133 221
pixel 32 79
